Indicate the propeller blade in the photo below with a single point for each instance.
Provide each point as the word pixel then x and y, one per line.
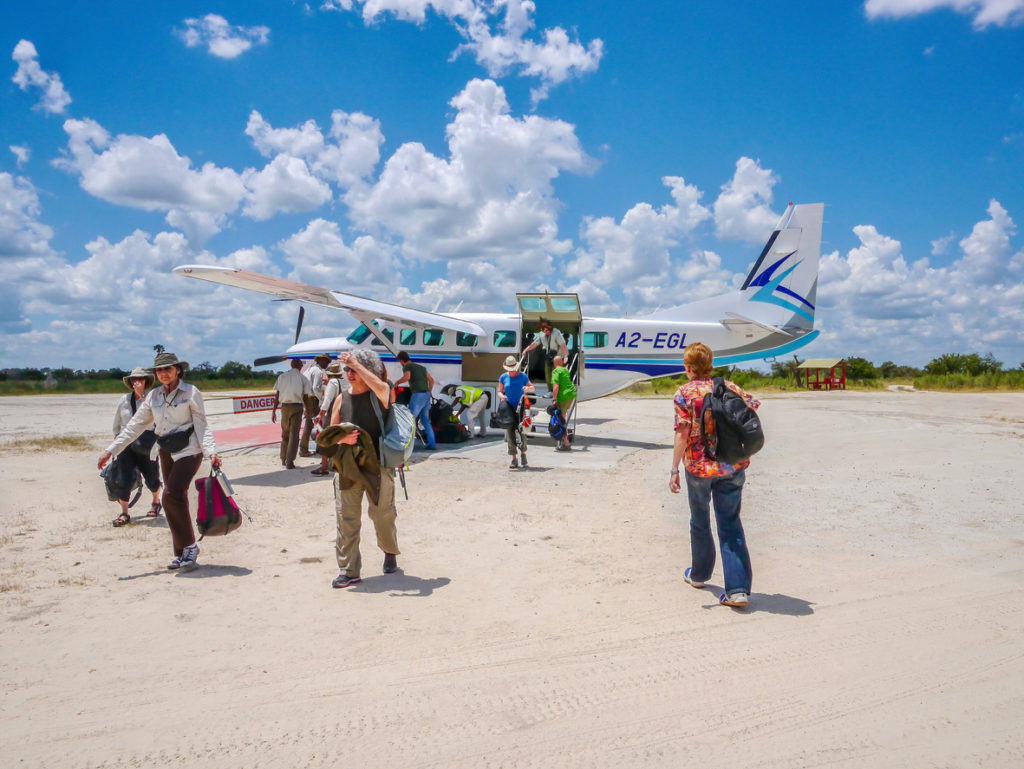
pixel 269 360
pixel 298 326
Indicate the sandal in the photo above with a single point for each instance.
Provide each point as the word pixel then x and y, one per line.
pixel 121 520
pixel 154 511
pixel 319 471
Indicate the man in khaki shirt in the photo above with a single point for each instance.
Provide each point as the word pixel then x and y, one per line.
pixel 290 391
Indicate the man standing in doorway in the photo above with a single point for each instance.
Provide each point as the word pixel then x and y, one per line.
pixel 290 391
pixel 552 343
pixel 421 384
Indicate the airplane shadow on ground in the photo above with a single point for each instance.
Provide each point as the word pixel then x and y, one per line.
pixel 399 585
pixel 775 603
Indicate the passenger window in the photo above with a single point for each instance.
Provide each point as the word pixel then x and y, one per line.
pixel 564 304
pixel 433 337
pixel 465 340
pixel 388 333
pixel 504 338
pixel 595 339
pixel 359 335
pixel 408 337
pixel 532 304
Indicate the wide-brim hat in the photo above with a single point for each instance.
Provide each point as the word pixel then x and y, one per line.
pixel 336 369
pixel 139 373
pixel 511 363
pixel 168 359
pixel 322 356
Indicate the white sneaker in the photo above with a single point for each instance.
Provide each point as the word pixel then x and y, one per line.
pixel 690 580
pixel 189 556
pixel 175 564
pixel 737 600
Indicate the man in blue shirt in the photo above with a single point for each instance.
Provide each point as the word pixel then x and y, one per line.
pixel 513 386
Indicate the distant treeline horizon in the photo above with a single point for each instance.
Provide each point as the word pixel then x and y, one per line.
pixel 948 371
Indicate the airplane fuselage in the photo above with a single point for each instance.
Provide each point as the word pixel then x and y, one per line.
pixel 616 352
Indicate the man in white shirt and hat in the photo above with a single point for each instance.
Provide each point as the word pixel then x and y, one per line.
pixel 290 391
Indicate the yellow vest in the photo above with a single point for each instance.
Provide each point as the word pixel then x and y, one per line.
pixel 470 395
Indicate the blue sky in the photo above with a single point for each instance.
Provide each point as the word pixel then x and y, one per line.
pixel 454 151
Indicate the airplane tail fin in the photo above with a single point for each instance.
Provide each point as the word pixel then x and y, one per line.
pixel 785 275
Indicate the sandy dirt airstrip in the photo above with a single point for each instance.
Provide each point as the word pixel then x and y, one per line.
pixel 539 618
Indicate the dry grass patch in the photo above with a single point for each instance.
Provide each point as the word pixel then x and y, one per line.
pixel 51 443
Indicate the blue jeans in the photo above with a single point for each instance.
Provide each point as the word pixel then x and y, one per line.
pixel 727 492
pixel 419 405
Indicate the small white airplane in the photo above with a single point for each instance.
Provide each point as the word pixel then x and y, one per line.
pixel 771 314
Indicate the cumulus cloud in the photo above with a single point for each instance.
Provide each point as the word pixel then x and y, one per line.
pixel 346 157
pixel 495 33
pixel 636 250
pixel 319 256
pixel 470 286
pixel 21 232
pixel 149 173
pixel 491 199
pixel 983 13
pixel 874 301
pixel 223 40
pixel 54 98
pixel 110 308
pixel 743 208
pixel 146 173
pixel 285 184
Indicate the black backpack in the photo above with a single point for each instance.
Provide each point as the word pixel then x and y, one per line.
pixel 556 427
pixel 737 433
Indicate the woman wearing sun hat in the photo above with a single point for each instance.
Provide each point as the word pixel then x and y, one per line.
pixel 513 386
pixel 176 410
pixel 137 459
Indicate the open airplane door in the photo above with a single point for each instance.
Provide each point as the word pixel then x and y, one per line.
pixel 563 310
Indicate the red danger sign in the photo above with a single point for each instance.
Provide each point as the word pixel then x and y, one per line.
pixel 258 403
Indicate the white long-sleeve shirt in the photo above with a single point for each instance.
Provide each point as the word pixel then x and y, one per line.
pixel 124 415
pixel 170 413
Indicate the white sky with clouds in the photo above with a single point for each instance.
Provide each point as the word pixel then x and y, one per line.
pixel 438 152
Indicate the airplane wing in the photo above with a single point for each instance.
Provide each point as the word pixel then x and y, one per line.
pixel 362 309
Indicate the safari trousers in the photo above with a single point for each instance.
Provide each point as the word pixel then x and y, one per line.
pixel 348 508
pixel 312 409
pixel 178 475
pixel 291 421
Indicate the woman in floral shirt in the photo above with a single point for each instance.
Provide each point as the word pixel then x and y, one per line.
pixel 708 479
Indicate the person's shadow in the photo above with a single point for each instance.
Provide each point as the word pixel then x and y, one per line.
pixel 202 570
pixel 205 570
pixel 775 603
pixel 399 585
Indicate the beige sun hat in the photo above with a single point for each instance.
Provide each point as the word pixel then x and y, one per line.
pixel 322 357
pixel 336 369
pixel 139 373
pixel 169 359
pixel 511 364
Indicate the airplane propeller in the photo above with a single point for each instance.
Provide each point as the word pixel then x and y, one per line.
pixel 271 359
